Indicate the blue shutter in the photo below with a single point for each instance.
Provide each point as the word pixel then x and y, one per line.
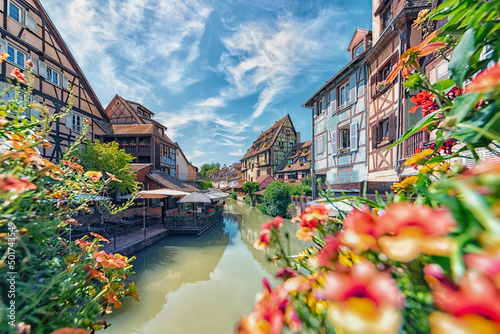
pixel 333 99
pixel 353 88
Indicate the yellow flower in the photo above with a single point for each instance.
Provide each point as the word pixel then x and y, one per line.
pixel 419 158
pixel 348 258
pixel 429 168
pixel 93 175
pixel 406 185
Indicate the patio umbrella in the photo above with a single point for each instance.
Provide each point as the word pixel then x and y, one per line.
pixel 195 198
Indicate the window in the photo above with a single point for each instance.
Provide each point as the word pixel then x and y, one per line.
pixel 290 161
pixel 77 123
pixel 384 132
pixel 344 140
pixel 385 72
pixel 344 95
pixel 16 56
pixel 386 17
pixel 344 176
pixel 359 49
pixel 52 76
pixel 15 12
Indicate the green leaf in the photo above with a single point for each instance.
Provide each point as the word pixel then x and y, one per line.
pixel 443 85
pixel 462 105
pixel 460 58
pixel 416 128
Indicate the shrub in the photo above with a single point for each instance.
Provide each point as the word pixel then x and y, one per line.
pixel 233 195
pixel 262 207
pixel 247 200
pixel 277 198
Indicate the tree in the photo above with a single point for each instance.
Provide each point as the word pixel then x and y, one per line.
pixel 208 169
pixel 108 157
pixel 250 188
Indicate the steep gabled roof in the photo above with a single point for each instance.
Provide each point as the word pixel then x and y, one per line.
pixel 301 150
pixel 358 36
pixel 260 144
pixel 262 178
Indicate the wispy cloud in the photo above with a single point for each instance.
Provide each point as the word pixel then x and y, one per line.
pixel 125 44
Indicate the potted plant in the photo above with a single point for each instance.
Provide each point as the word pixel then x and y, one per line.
pixel 288 165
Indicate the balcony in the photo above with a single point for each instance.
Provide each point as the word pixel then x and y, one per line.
pixel 416 140
pixel 244 168
pixel 263 163
pixel 134 148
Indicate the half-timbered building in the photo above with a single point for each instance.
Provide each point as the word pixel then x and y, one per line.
pixel 339 115
pixel 269 150
pixel 389 106
pixel 132 126
pixel 27 33
pixel 297 164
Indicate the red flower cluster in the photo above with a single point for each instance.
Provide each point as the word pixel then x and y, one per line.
pixel 425 101
pixel 109 260
pixel 265 233
pixel 309 219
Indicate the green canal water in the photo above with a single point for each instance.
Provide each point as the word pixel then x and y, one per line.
pixel 203 284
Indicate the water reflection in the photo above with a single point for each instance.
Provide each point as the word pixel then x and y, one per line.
pixel 200 284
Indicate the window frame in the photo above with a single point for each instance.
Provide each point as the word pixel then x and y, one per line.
pixel 74 126
pixel 16 55
pixel 53 71
pixel 344 89
pixel 384 18
pixel 344 147
pixel 20 9
pixel 360 45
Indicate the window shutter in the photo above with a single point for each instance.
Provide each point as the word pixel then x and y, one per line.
pixel 361 90
pixel 333 100
pixel 30 21
pixel 315 108
pixel 69 120
pixel 323 104
pixel 354 136
pixel 35 64
pixel 353 88
pixel 374 136
pixel 334 142
pixel 42 68
pixel 3 45
pixel 392 128
pixel 34 111
pixel 65 82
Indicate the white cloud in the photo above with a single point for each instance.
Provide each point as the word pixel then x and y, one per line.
pixel 141 39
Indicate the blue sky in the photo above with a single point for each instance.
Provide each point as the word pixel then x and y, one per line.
pixel 215 72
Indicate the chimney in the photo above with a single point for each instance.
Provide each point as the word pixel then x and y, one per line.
pixel 298 137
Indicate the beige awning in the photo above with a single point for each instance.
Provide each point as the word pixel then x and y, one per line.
pixel 160 193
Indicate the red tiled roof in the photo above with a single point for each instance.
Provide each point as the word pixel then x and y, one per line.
pixel 131 129
pixel 138 167
pixel 260 145
pixel 262 178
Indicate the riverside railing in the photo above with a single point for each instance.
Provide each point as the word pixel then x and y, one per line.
pixel 193 223
pixel 113 230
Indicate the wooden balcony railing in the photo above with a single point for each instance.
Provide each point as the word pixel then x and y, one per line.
pixel 415 141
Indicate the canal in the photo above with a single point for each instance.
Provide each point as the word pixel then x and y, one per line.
pixel 203 284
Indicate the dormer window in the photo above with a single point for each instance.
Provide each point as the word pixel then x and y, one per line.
pixel 359 49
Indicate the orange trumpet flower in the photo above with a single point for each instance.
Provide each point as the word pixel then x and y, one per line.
pixel 408 60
